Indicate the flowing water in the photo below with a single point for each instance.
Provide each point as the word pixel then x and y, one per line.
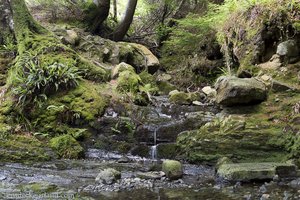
pixel 67 179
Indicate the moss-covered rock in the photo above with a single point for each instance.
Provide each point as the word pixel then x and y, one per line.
pixel 66 147
pixel 183 98
pixel 22 148
pixel 79 106
pixel 256 171
pixel 235 138
pixel 120 68
pixel 167 150
pixel 173 169
pixel 128 81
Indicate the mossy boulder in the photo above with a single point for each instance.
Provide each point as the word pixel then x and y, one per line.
pixel 173 169
pixel 67 147
pixel 79 106
pixel 235 138
pixel 120 68
pixel 128 81
pixel 183 98
pixel 256 171
pixel 236 91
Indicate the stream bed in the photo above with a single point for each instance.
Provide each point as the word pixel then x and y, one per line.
pixel 75 179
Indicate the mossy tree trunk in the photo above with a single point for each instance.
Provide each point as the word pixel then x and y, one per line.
pixel 6 22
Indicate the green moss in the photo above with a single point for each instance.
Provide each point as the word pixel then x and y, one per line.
pixel 167 151
pixel 232 137
pixel 21 148
pixel 40 188
pixel 128 81
pixel 78 106
pixel 172 169
pixel 66 147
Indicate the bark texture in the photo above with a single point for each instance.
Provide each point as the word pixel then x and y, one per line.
pixel 124 25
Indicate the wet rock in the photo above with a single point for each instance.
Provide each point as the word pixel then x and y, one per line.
pixel 164 77
pixel 108 176
pixel 172 169
pixel 140 150
pixel 265 196
pixel 124 159
pixel 235 91
pixel 295 183
pixel 255 171
pixel 150 175
pixel 2 177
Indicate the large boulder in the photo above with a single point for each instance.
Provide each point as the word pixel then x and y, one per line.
pixel 172 169
pixel 236 91
pixel 108 176
pixel 151 62
pixel 289 50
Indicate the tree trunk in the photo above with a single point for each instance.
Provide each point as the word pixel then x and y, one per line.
pixel 124 25
pixel 101 15
pixel 6 23
pixel 115 10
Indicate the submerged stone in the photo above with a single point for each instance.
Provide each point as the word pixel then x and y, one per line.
pixel 255 171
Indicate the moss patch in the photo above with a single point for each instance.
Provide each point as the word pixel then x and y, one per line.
pixel 22 148
pixel 66 147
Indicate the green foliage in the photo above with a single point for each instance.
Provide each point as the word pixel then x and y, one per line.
pixel 189 34
pixel 34 81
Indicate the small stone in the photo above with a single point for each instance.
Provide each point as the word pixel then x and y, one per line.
pixel 265 196
pixel 2 177
pixel 124 159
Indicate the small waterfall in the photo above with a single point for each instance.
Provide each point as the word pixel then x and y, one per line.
pixel 154 152
pixel 154 147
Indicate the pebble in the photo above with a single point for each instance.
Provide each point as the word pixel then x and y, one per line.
pixel 2 177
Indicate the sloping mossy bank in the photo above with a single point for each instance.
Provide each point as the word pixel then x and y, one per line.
pixel 262 133
pixel 24 149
